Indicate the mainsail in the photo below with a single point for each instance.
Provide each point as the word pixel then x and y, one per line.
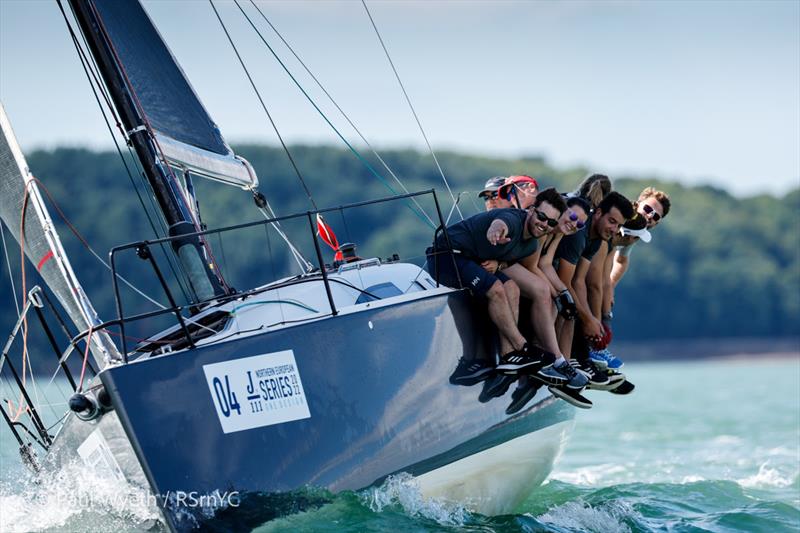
pixel 186 134
pixel 19 193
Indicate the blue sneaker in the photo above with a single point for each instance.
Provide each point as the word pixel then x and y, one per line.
pixel 604 359
pixel 560 375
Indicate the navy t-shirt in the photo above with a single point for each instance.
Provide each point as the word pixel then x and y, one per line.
pixel 469 236
pixel 573 247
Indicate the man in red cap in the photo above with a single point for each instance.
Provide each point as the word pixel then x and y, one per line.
pixel 521 191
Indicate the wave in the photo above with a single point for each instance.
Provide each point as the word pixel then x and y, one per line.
pixel 74 498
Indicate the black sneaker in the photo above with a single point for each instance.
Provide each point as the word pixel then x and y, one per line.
pixel 587 368
pixel 520 361
pixel 470 372
pixel 615 379
pixel 626 387
pixel 495 386
pixel 571 396
pixel 521 396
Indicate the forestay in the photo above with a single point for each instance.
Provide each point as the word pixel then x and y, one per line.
pixel 19 193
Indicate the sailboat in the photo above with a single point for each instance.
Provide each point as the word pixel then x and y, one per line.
pixel 337 377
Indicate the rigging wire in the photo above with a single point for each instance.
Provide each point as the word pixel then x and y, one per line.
pixel 341 111
pixel 83 241
pixel 311 101
pixel 135 98
pixel 263 105
pixel 304 264
pixel 94 83
pixel 413 111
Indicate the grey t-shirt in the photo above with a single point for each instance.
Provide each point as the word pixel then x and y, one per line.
pixel 469 236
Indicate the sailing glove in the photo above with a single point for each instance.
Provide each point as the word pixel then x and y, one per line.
pixel 566 305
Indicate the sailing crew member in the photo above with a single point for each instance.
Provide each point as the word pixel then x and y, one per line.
pixel 651 207
pixel 490 196
pixel 573 257
pixel 521 191
pixel 501 235
pixel 554 300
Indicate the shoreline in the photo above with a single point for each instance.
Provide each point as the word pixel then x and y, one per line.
pixel 723 349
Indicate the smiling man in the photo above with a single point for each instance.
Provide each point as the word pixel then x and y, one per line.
pixel 573 258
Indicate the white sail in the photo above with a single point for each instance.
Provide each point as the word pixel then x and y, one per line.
pixel 42 246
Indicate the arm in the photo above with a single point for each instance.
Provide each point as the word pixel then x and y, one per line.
pixel 497 232
pixel 546 266
pixel 532 262
pixel 595 282
pixel 608 286
pixel 574 277
pixel 621 259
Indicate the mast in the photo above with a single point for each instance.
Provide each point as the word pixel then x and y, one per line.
pixel 203 279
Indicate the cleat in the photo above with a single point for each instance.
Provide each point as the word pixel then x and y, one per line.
pixel 495 386
pixel 471 372
pixel 571 396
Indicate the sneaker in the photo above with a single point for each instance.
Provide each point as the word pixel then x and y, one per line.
pixel 495 386
pixel 470 372
pixel 604 359
pixel 626 387
pixel 571 396
pixel 521 396
pixel 551 375
pixel 615 379
pixel 522 360
pixel 576 379
pixel 588 369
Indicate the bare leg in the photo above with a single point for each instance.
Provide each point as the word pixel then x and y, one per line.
pixel 565 336
pixel 503 318
pixel 538 290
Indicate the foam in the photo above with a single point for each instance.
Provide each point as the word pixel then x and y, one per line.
pixel 54 499
pixel 581 516
pixel 404 490
pixel 767 477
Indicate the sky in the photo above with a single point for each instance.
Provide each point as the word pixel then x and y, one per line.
pixel 698 92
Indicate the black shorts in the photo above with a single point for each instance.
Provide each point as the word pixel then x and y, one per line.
pixel 473 276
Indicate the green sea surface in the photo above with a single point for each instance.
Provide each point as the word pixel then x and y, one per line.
pixel 711 445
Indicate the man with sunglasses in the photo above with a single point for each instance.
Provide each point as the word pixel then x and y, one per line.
pixel 653 205
pixel 491 196
pixel 507 235
pixel 574 257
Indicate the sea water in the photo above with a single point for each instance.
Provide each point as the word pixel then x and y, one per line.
pixel 699 446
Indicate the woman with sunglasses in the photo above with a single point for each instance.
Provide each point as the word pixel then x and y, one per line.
pixel 550 210
pixel 572 220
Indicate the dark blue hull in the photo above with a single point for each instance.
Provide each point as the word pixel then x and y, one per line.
pixel 376 386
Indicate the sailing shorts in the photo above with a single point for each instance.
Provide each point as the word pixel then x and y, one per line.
pixel 473 276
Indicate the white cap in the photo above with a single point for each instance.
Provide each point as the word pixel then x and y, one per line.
pixel 643 234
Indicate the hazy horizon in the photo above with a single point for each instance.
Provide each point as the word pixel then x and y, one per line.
pixel 700 93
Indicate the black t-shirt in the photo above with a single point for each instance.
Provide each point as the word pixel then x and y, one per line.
pixel 469 236
pixel 573 247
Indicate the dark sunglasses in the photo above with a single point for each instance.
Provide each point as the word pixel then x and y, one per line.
pixel 489 196
pixel 544 218
pixel 648 210
pixel 578 223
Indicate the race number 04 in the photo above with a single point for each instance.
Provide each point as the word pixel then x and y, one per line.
pixel 226 399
